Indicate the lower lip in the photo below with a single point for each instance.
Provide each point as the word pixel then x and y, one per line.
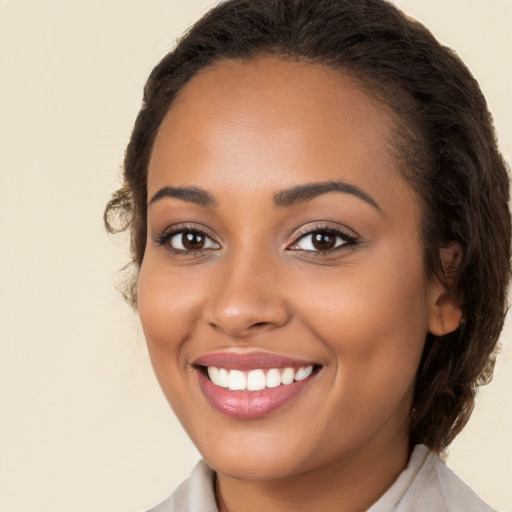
pixel 249 404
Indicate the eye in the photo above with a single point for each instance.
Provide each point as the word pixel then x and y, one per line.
pixel 187 240
pixel 323 240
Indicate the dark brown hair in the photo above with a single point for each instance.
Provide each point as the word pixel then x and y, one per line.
pixel 444 139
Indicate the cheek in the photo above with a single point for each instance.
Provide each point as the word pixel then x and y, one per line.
pixel 168 305
pixel 167 302
pixel 374 320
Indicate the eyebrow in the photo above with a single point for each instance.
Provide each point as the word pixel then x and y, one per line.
pixel 283 199
pixel 189 194
pixel 309 191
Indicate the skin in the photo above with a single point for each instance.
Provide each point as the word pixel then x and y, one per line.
pixel 244 133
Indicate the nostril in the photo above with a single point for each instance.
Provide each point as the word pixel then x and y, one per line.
pixel 245 319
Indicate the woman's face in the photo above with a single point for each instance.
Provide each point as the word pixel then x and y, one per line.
pixel 283 254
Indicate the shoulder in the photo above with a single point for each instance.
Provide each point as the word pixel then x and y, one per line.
pixel 194 494
pixel 458 495
pixel 436 487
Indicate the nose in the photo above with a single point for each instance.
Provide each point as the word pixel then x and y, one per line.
pixel 246 298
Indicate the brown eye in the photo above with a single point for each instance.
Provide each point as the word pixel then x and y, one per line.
pixel 188 241
pixel 323 241
pixel 192 241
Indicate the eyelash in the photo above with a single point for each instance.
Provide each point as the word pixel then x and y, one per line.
pixel 348 240
pixel 164 240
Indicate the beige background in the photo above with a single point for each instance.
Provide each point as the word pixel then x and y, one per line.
pixel 83 425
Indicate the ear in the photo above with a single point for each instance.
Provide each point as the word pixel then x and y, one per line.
pixel 445 310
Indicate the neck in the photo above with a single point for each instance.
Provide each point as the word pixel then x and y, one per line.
pixel 349 484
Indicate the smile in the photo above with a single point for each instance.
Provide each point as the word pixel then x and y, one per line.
pixel 250 386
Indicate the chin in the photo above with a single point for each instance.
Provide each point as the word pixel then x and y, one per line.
pixel 253 467
pixel 256 457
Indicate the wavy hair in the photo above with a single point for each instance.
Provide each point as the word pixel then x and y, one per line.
pixel 445 143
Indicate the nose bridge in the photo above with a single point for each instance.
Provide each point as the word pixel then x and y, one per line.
pixel 245 297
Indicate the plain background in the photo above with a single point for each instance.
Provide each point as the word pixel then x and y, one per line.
pixel 83 424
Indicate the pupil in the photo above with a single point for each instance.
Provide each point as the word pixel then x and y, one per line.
pixel 323 241
pixel 192 241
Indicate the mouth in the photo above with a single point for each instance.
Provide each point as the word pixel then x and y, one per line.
pixel 249 386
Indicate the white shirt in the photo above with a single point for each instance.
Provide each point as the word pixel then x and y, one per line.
pixel 425 485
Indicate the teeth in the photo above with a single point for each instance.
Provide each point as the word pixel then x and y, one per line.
pixel 223 378
pixel 256 380
pixel 273 378
pixel 213 373
pixel 287 376
pixel 303 373
pixel 237 380
pixel 219 377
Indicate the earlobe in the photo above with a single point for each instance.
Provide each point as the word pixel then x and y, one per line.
pixel 446 310
pixel 445 315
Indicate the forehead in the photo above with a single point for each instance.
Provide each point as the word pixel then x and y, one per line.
pixel 283 120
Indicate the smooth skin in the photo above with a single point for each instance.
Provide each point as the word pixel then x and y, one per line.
pixel 335 277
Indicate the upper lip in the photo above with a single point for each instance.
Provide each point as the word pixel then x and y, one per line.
pixel 250 361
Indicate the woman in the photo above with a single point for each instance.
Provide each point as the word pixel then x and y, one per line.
pixel 321 238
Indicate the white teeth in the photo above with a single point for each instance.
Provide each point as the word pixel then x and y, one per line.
pixel 287 376
pixel 219 377
pixel 237 380
pixel 256 380
pixel 223 378
pixel 273 378
pixel 213 373
pixel 303 373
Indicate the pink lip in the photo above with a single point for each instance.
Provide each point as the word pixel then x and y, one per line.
pixel 250 361
pixel 249 404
